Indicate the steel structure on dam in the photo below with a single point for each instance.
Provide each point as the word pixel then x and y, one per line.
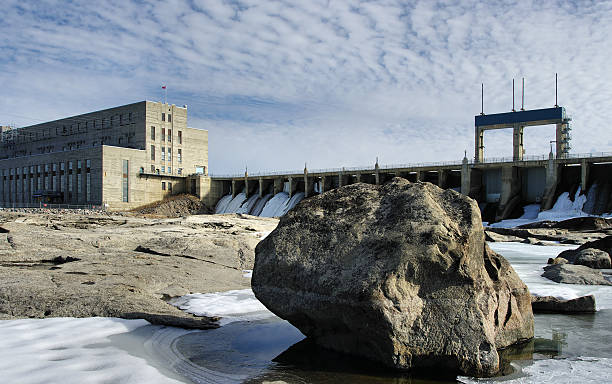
pixel 503 183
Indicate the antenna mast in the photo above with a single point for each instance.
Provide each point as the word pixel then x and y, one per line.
pixel 556 102
pixel 523 96
pixel 513 110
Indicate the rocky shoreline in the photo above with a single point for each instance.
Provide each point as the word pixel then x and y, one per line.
pixel 84 264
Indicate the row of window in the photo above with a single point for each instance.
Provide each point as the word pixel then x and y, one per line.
pixel 164 183
pixel 164 117
pixel 35 134
pixel 165 137
pixel 20 184
pixel 164 169
pixel 164 151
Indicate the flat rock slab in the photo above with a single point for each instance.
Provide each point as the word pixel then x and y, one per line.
pixel 551 304
pixel 574 274
pixel 82 265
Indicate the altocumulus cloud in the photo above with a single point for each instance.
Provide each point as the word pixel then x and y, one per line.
pixel 330 83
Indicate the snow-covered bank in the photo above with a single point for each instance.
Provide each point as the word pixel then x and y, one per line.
pixel 69 350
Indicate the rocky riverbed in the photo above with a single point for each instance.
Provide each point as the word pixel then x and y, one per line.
pixel 83 264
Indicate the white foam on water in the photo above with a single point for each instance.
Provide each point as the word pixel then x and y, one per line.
pixel 276 205
pixel 261 203
pixel 223 203
pixel 236 203
pixel 237 305
pixel 70 350
pixel 249 204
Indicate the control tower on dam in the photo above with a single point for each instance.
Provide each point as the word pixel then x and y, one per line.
pixel 502 186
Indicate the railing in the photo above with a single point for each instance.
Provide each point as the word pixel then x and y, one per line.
pixel 12 205
pixel 488 160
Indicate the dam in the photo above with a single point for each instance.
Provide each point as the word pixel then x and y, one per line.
pixel 501 186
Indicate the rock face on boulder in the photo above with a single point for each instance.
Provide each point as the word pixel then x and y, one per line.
pixel 399 274
pixel 574 274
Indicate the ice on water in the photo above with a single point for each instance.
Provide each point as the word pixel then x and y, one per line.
pixel 69 350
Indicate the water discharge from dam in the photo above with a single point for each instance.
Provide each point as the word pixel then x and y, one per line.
pixel 595 202
pixel 267 206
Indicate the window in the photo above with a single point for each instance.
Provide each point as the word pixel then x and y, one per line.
pixel 169 154
pixel 125 181
pixel 163 169
pixel 163 116
pixel 169 134
pixel 152 168
pixel 163 153
pixel 152 153
pixel 163 136
pixel 180 171
pixel 169 118
pixel 179 155
pixel 163 185
pixel 152 133
pixel 180 137
pixel 88 164
pixel 169 183
pixel 169 169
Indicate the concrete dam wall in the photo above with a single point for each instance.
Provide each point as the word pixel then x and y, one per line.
pixel 502 187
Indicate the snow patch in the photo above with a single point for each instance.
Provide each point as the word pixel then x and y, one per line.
pixel 237 305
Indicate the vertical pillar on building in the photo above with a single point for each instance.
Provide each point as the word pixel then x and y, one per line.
pixel 442 177
pixel 307 183
pixel 290 186
pixel 340 178
pixel 278 186
pixel 478 145
pixel 322 184
pixel 358 177
pixel 465 176
pixel 563 138
pixel 510 192
pixel 233 188
pixel 261 187
pixel 377 172
pixel 552 180
pixel 246 183
pixel 420 175
pixel 517 143
pixel 584 175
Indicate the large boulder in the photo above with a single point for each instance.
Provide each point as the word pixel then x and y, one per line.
pixel 399 274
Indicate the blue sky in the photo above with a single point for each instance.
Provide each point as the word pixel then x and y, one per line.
pixel 330 83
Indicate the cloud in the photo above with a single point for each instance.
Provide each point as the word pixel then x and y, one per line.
pixel 330 83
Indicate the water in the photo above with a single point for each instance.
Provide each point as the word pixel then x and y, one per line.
pixel 566 348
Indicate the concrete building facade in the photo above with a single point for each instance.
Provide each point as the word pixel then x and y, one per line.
pixel 120 157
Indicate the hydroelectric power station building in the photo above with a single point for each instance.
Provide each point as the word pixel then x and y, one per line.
pixel 120 157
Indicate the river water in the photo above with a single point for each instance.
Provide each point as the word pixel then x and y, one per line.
pixel 566 348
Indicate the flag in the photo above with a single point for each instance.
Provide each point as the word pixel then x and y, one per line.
pixel 163 87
